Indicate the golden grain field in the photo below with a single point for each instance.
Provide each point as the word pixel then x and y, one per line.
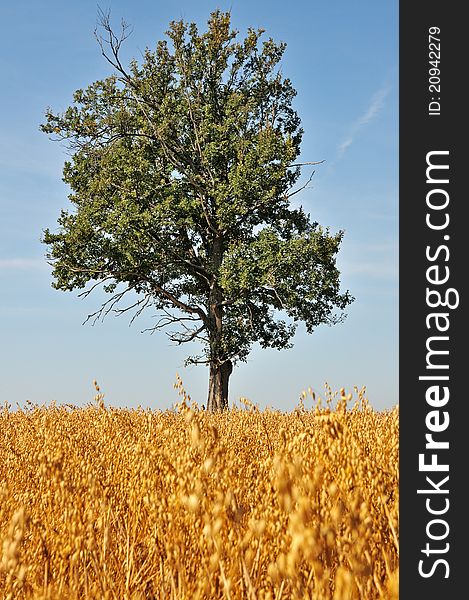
pixel 99 502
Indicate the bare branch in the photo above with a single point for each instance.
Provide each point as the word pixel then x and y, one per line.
pixel 302 187
pixel 143 303
pixel 106 307
pixel 307 163
pixel 87 292
pixel 196 360
pixel 190 335
pixel 179 304
pixel 114 42
pixel 169 318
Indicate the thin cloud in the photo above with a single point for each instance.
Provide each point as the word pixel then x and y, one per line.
pixel 376 270
pixel 344 145
pixel 374 108
pixel 21 264
pixel 378 260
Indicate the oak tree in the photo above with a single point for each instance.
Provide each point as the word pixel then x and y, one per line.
pixel 182 170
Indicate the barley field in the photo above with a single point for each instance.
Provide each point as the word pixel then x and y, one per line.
pixel 108 503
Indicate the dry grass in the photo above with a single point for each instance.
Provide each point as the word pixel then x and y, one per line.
pixel 111 503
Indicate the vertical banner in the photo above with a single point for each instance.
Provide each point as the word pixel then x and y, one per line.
pixel 433 306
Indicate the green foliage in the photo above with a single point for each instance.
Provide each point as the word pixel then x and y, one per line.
pixel 181 174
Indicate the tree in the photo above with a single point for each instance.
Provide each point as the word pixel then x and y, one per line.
pixel 182 169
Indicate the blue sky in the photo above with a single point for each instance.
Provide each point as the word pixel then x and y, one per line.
pixel 342 58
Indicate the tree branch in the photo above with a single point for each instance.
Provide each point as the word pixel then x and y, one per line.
pixel 113 41
pixel 306 163
pixel 302 187
pixel 171 153
pixel 106 307
pixel 182 338
pixel 178 303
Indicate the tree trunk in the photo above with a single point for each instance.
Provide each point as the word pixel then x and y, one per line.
pixel 218 385
pixel 220 367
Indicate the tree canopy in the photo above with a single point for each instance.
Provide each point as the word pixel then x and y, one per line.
pixel 182 171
